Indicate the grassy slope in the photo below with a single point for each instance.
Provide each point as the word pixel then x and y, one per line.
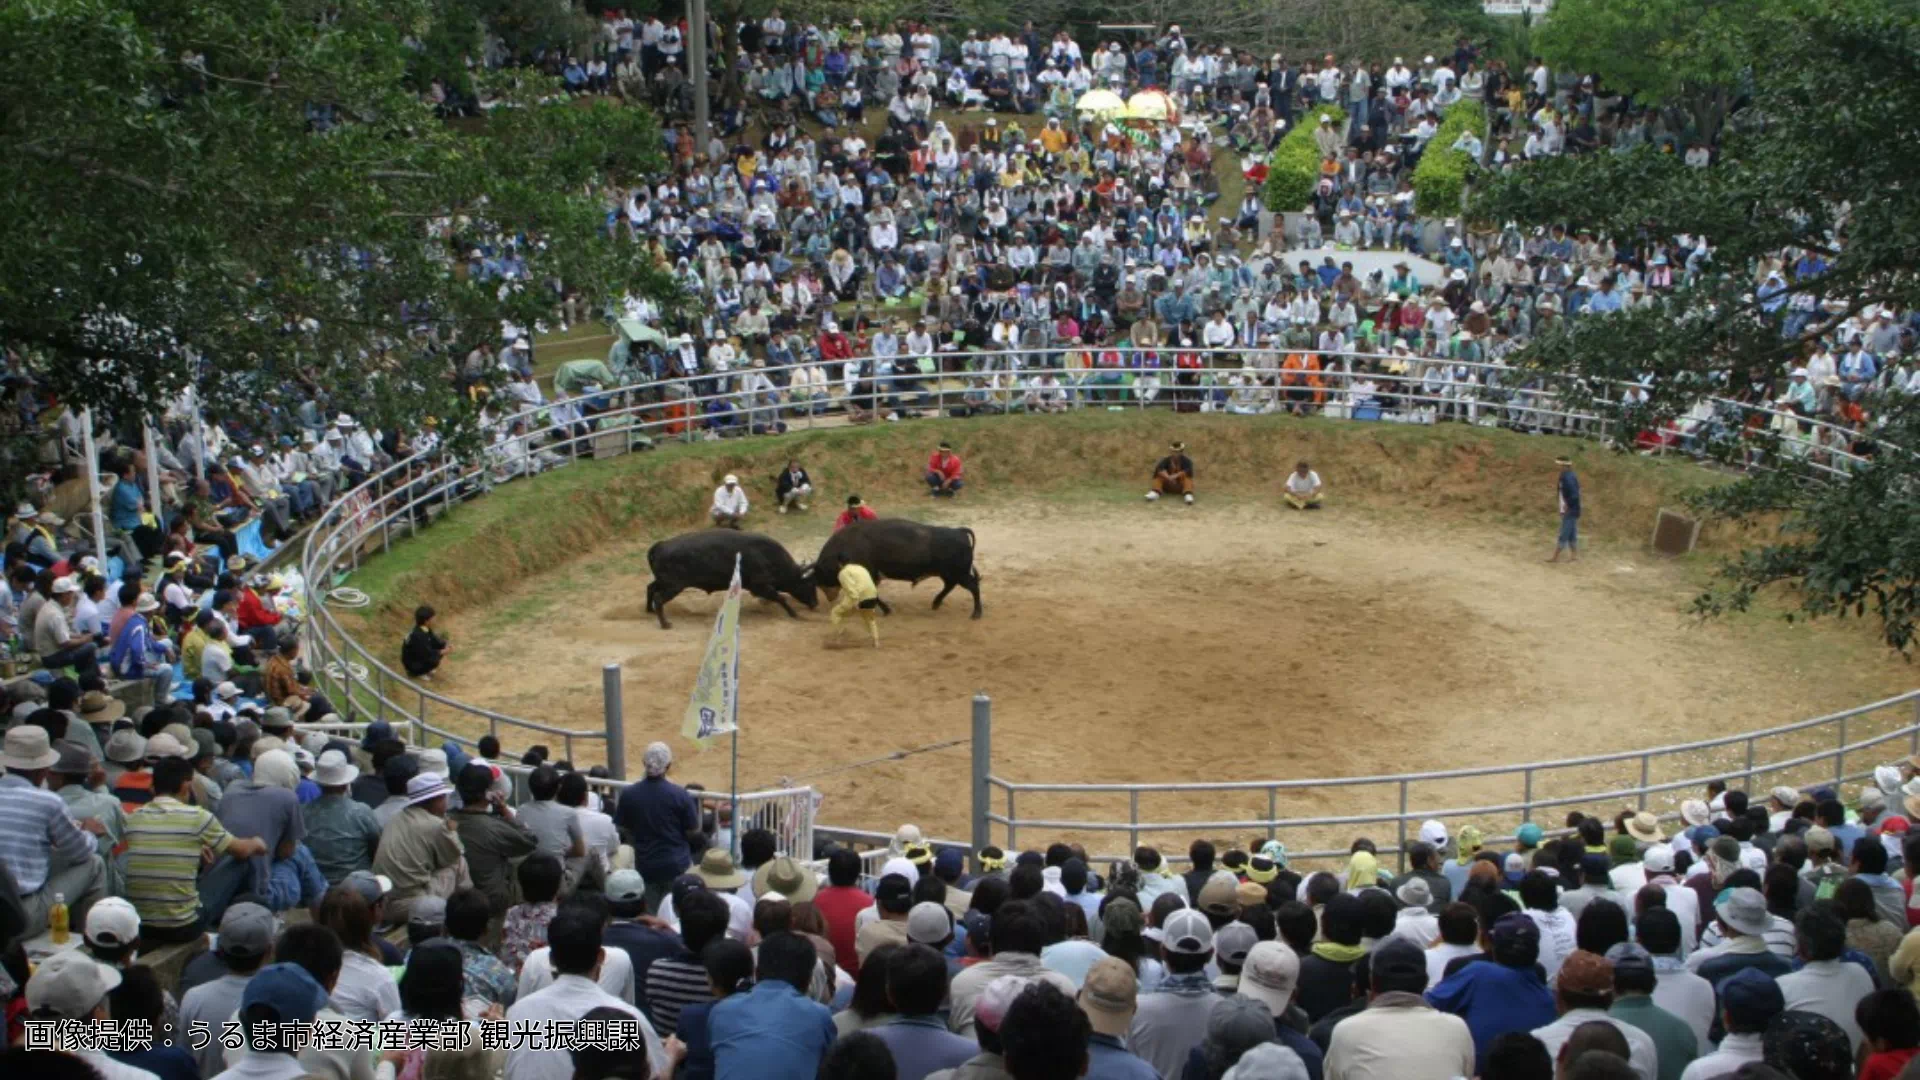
pixel 1427 474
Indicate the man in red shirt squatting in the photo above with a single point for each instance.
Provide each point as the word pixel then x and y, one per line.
pixel 943 472
pixel 856 511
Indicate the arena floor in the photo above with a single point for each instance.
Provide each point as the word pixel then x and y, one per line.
pixel 1230 641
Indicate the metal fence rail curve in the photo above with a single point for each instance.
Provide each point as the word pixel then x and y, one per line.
pixel 389 503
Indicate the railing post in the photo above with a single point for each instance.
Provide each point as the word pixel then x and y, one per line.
pixel 616 721
pixel 1403 827
pixel 420 718
pixel 386 519
pixel 1913 739
pixel 1012 829
pixel 1133 821
pixel 982 768
pixel 1749 761
pixel 1273 812
pixel 1526 799
pixel 1646 765
pixel 1840 754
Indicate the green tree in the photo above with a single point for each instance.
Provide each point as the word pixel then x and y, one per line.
pixel 1688 54
pixel 1813 174
pixel 248 195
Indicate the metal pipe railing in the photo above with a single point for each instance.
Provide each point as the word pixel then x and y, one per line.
pixel 417 485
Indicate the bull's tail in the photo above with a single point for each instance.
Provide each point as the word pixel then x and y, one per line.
pixel 971 568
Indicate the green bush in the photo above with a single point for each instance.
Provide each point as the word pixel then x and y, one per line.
pixel 1441 177
pixel 1294 168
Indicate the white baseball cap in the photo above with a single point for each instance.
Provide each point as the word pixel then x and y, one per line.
pixel 113 923
pixel 69 986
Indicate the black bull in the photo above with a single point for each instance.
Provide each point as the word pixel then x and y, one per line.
pixel 704 560
pixel 904 551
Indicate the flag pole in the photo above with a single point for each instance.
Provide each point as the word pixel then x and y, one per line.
pixel 733 741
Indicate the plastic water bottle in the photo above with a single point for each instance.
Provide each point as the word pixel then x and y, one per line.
pixel 57 922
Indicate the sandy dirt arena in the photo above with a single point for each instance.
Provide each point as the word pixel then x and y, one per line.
pixel 1230 641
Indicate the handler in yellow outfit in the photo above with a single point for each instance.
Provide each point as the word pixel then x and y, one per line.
pixel 857 593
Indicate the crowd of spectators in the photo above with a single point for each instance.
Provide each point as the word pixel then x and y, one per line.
pixel 366 880
pixel 894 220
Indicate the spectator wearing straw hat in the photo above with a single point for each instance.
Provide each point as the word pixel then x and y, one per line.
pixel 44 849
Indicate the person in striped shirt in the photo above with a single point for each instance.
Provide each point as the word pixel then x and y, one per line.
pixel 167 842
pixel 41 845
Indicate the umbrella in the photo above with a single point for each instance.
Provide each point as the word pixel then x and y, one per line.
pixel 1152 105
pixel 1100 102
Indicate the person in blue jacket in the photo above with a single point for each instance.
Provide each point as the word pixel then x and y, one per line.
pixel 1505 992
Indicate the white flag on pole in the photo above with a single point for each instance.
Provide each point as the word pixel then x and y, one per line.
pixel 714 709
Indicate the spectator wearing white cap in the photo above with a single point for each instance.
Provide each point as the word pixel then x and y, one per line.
pixel 55 638
pixel 73 986
pixel 1172 1020
pixel 1682 901
pixel 418 844
pixel 729 510
pixel 1424 861
pixel 45 850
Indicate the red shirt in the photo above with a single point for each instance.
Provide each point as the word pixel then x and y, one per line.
pixel 848 517
pixel 946 464
pixel 1886 1065
pixel 255 613
pixel 835 347
pixel 840 905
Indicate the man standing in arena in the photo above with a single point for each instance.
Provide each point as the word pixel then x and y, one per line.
pixel 1173 475
pixel 856 510
pixel 729 503
pixel 944 472
pixel 1569 541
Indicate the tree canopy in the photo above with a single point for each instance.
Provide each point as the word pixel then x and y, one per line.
pixel 1821 173
pixel 240 193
